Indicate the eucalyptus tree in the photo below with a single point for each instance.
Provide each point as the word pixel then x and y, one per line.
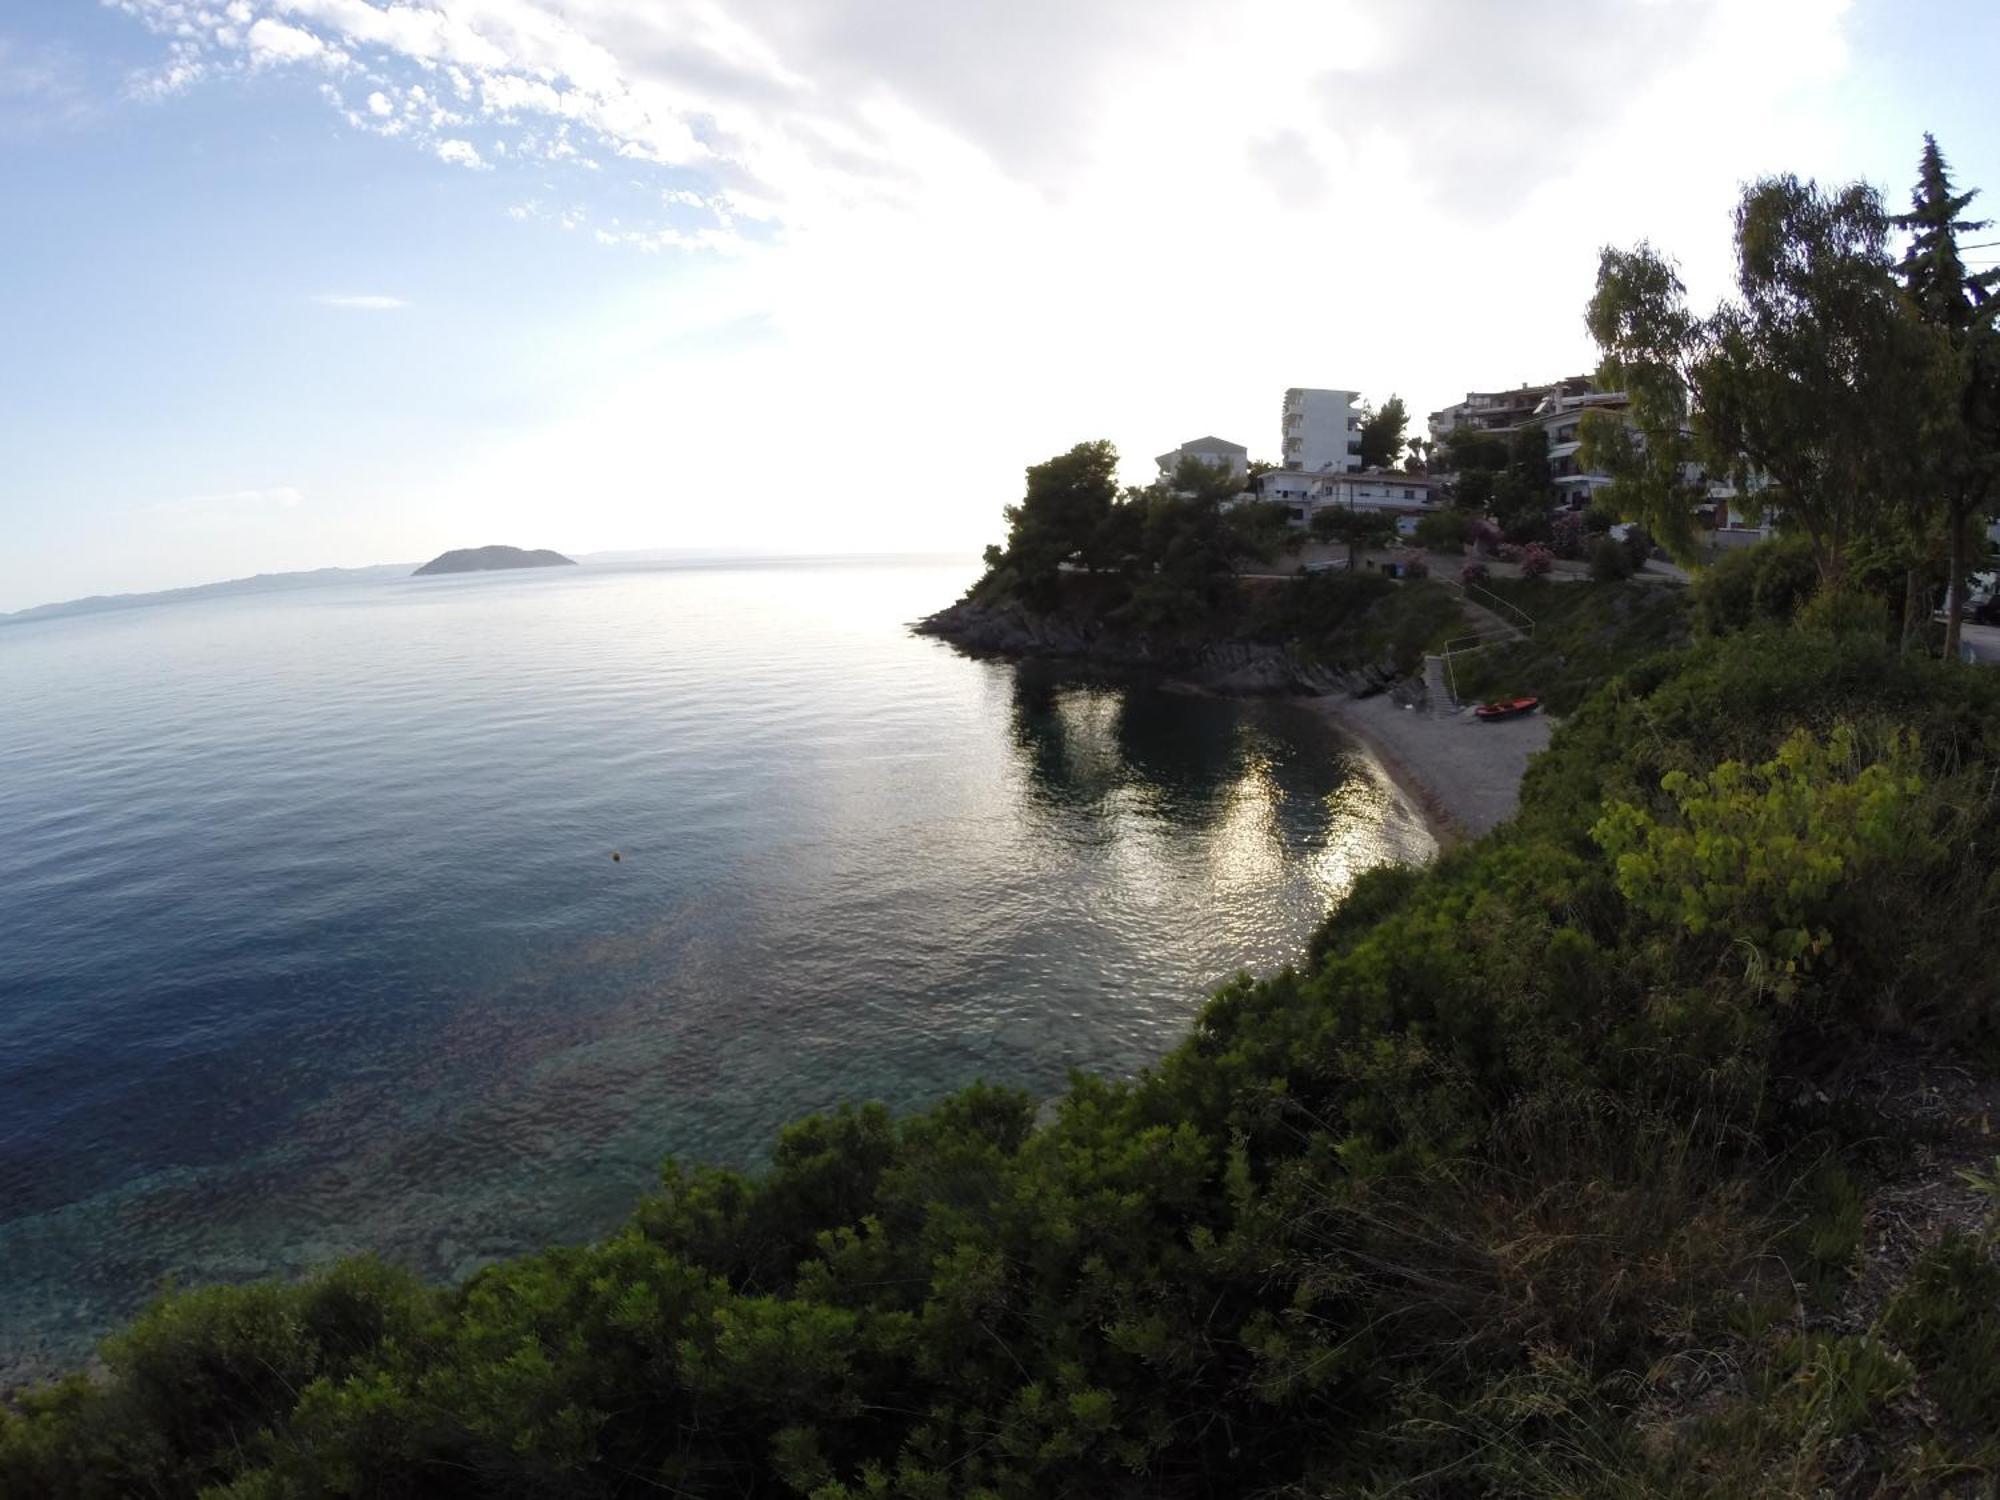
pixel 1811 389
pixel 1652 346
pixel 1819 377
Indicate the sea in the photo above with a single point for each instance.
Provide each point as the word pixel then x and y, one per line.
pixel 426 916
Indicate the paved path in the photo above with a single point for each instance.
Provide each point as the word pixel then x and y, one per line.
pixel 1980 643
pixel 1465 773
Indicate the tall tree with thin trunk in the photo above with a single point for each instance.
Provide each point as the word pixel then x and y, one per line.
pixel 1959 306
pixel 1651 345
pixel 1818 377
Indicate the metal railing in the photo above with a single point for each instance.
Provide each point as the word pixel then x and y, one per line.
pixel 1518 625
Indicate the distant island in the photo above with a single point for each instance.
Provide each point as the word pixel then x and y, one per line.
pixel 492 559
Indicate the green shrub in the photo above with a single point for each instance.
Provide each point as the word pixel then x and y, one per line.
pixel 1947 1317
pixel 1444 531
pixel 1762 857
pixel 1610 562
pixel 1443 1201
pixel 1764 584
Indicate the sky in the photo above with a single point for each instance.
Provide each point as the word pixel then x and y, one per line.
pixel 300 283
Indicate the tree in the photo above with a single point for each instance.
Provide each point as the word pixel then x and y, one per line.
pixel 1359 529
pixel 1814 380
pixel 1066 515
pixel 1382 434
pixel 1650 342
pixel 1958 305
pixel 1818 377
pixel 1523 491
pixel 1474 449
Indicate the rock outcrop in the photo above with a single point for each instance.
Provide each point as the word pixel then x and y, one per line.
pixel 1219 665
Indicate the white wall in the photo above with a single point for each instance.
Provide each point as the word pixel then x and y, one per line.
pixel 1317 427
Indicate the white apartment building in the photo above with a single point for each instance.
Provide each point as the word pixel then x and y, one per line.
pixel 1321 431
pixel 1218 453
pixel 1304 495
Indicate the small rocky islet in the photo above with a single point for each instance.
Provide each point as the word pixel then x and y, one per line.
pixel 492 560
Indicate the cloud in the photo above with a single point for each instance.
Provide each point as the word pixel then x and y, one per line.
pixel 990 229
pixel 360 302
pixel 460 154
pixel 272 41
pixel 41 89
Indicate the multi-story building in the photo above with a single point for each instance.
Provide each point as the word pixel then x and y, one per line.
pixel 1560 414
pixel 1321 431
pixel 1218 453
pixel 1502 411
pixel 1304 495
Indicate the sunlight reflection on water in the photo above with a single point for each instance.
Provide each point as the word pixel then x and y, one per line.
pixel 310 940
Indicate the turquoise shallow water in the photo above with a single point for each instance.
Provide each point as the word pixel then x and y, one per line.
pixel 311 941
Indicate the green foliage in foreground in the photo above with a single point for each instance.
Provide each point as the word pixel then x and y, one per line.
pixel 1513 1188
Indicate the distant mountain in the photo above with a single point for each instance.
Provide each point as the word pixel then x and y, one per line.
pixel 492 559
pixel 262 583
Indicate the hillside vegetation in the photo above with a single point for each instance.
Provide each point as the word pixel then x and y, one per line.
pixel 1642 1147
pixel 1546 1173
pixel 1584 635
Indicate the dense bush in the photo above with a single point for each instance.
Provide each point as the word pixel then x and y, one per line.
pixel 1429 1215
pixel 1474 572
pixel 1766 583
pixel 1610 562
pixel 1536 561
pixel 1444 531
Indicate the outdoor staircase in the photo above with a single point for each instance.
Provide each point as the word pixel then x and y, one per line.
pixel 1500 624
pixel 1437 688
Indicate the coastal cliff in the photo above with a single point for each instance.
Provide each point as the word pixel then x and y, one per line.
pixel 1223 663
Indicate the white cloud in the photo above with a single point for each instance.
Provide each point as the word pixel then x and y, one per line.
pixel 460 154
pixel 360 302
pixel 41 88
pixel 988 229
pixel 272 41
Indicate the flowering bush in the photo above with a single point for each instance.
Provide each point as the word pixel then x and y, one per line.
pixel 1415 565
pixel 1473 572
pixel 1484 535
pixel 1507 552
pixel 1566 534
pixel 1536 560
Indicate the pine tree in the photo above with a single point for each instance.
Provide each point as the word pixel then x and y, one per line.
pixel 1960 306
pixel 1932 268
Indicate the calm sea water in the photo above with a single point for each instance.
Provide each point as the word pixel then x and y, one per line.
pixel 311 940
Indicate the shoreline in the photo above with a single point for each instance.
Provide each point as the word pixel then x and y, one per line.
pixel 1463 775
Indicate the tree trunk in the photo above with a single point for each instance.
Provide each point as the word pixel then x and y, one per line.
pixel 1913 607
pixel 1955 599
